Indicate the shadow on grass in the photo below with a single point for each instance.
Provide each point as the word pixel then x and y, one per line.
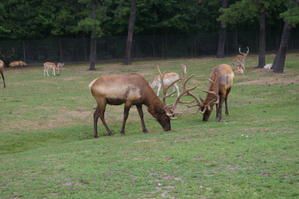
pixel 23 141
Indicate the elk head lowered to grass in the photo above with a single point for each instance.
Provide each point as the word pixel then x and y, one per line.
pixel 131 90
pixel 239 61
pixel 221 81
pixel 2 72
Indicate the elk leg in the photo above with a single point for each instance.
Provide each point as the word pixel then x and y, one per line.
pixel 96 116
pixel 126 115
pixel 3 79
pixel 102 108
pixel 219 115
pixel 226 107
pixel 54 72
pixel 140 111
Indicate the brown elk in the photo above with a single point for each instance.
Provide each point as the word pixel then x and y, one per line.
pixel 17 64
pixel 130 90
pixel 52 66
pixel 2 72
pixel 221 81
pixel 239 61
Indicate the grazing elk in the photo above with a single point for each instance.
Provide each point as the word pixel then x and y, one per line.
pixel 52 66
pixel 239 61
pixel 168 79
pixel 221 81
pixel 131 90
pixel 14 64
pixel 2 72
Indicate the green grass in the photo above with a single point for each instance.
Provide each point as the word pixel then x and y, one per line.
pixel 47 149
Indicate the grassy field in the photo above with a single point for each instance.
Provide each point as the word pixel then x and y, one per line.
pixel 47 149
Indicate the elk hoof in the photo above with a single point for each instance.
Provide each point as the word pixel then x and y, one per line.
pixel 109 133
pixel 145 131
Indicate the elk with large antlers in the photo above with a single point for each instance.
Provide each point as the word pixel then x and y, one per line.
pixel 131 90
pixel 2 72
pixel 221 81
pixel 239 61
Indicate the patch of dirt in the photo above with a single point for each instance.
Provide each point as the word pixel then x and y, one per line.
pixel 270 80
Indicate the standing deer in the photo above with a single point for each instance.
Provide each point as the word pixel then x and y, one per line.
pixel 185 92
pixel 2 72
pixel 131 90
pixel 52 66
pixel 239 61
pixel 168 79
pixel 221 81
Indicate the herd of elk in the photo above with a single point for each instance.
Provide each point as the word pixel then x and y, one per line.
pixel 239 61
pixel 134 90
pixel 52 66
pixel 2 72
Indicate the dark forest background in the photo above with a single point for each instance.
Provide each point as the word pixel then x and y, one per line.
pixel 39 30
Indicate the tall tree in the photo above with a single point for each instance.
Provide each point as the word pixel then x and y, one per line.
pixel 291 18
pixel 222 33
pixel 131 25
pixel 92 18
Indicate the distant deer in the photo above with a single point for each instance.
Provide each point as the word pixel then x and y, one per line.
pixel 2 72
pixel 52 66
pixel 131 90
pixel 17 64
pixel 168 79
pixel 239 61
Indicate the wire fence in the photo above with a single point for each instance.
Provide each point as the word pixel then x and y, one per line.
pixel 144 46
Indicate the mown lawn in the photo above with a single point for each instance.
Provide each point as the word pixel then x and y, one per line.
pixel 47 149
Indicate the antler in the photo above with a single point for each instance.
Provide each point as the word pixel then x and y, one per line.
pixel 244 52
pixel 240 50
pixel 165 88
pixel 247 50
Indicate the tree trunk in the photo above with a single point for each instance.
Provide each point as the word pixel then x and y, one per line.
pixel 130 33
pixel 279 61
pixel 235 41
pixel 93 41
pixel 262 40
pixel 60 50
pixel 24 51
pixel 222 34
